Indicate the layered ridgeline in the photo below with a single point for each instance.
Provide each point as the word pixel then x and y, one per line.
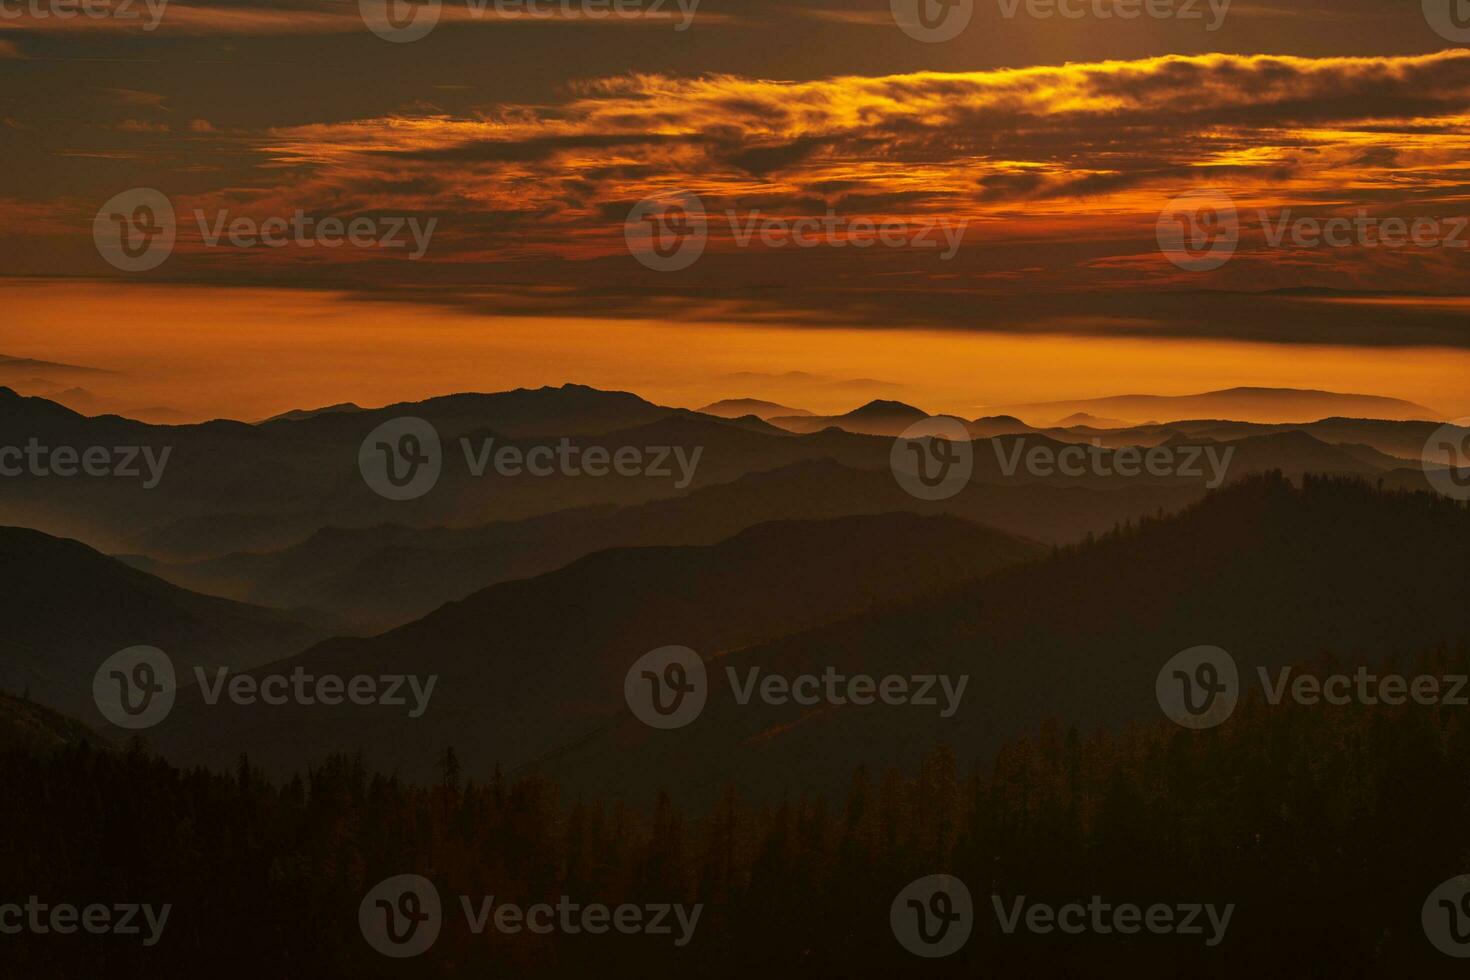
pixel 191 492
pixel 533 671
pixel 68 608
pixel 384 576
pixel 525 668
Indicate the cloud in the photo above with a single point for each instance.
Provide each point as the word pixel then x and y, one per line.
pixel 1056 175
pixel 308 17
pixel 1110 134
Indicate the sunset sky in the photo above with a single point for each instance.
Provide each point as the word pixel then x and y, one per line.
pixel 1050 144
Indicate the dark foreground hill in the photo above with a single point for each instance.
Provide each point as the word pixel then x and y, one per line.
pixel 68 608
pixel 526 667
pixel 32 728
pixel 1272 573
pixel 1321 833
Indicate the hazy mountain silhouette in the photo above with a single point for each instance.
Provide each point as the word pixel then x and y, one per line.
pixel 877 418
pixel 734 408
pixel 527 666
pixel 10 366
pixel 1273 574
pixel 232 487
pixel 997 425
pixel 1090 421
pixel 1270 405
pixel 299 414
pixel 68 608
pixel 383 576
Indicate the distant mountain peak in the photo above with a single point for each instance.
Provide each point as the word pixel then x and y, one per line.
pixel 296 414
pixel 881 407
pixel 735 408
pixel 1239 404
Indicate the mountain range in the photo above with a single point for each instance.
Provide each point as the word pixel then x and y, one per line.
pixel 69 608
pixel 530 666
pixel 1266 405
pixel 530 673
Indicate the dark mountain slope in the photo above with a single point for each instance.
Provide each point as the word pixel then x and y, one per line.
pixel 1273 574
pixel 524 667
pixel 67 608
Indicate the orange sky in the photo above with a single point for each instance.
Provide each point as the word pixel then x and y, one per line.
pixel 250 353
pixel 1053 147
